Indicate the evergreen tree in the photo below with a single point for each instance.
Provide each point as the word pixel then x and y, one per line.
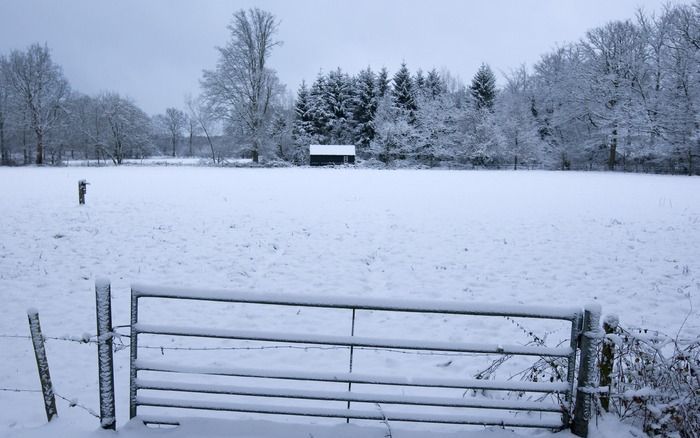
pixel 419 81
pixel 338 96
pixel 365 108
pixel 303 126
pixel 382 82
pixel 433 84
pixel 483 88
pixel 402 92
pixel 320 113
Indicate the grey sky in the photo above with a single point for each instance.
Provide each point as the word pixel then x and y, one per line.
pixel 154 51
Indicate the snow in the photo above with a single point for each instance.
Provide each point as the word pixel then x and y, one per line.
pixel 331 149
pixel 628 242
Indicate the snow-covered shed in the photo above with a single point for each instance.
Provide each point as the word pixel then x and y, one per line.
pixel 328 154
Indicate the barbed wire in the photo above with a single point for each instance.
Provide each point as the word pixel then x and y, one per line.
pixel 120 345
pixel 86 339
pixel 19 390
pixel 72 403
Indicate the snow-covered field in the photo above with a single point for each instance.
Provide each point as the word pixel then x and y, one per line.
pixel 628 242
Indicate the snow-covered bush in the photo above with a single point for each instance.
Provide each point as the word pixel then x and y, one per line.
pixel 655 379
pixel 656 382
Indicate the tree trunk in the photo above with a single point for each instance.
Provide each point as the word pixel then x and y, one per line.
pixel 191 151
pixel 515 163
pixel 255 150
pixel 4 158
pixel 690 162
pixel 39 148
pixel 613 150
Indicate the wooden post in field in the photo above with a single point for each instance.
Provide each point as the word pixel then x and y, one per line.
pixel 103 299
pixel 607 359
pixel 583 407
pixel 42 364
pixel 82 188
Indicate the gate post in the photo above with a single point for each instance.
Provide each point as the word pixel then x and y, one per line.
pixel 586 375
pixel 610 324
pixel 105 360
pixel 42 364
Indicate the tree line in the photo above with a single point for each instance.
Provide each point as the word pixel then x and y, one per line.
pixel 626 96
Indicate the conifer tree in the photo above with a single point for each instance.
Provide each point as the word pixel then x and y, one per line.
pixel 483 88
pixel 419 81
pixel 382 82
pixel 402 92
pixel 303 118
pixel 365 107
pixel 338 100
pixel 433 84
pixel 320 114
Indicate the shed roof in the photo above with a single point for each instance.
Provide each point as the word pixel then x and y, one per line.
pixel 332 149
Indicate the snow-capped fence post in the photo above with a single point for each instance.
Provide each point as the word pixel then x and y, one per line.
pixel 133 352
pixel 103 299
pixel 352 350
pixel 42 364
pixel 610 323
pixel 82 188
pixel 586 376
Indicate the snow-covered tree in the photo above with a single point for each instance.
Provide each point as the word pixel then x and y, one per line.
pixel 5 111
pixel 366 101
pixel 338 97
pixel 483 88
pixel 396 136
pixel 433 84
pixel 41 89
pixel 320 112
pixel 173 122
pixel 303 126
pixel 242 88
pixel 202 115
pixel 521 141
pixel 383 82
pixel 126 130
pixel 403 93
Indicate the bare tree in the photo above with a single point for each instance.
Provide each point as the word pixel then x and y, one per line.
pixel 4 113
pixel 175 122
pixel 242 88
pixel 201 114
pixel 40 86
pixel 126 128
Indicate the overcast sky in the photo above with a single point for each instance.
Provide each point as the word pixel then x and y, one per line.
pixel 154 50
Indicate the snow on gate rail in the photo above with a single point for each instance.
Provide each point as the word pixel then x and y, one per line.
pixel 505 407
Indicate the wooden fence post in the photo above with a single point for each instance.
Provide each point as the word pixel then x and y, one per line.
pixel 610 323
pixel 103 299
pixel 82 188
pixel 42 364
pixel 586 375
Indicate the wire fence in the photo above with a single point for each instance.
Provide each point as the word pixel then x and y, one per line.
pixel 120 344
pixel 72 402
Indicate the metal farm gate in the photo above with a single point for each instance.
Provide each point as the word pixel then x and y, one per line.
pixel 513 413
